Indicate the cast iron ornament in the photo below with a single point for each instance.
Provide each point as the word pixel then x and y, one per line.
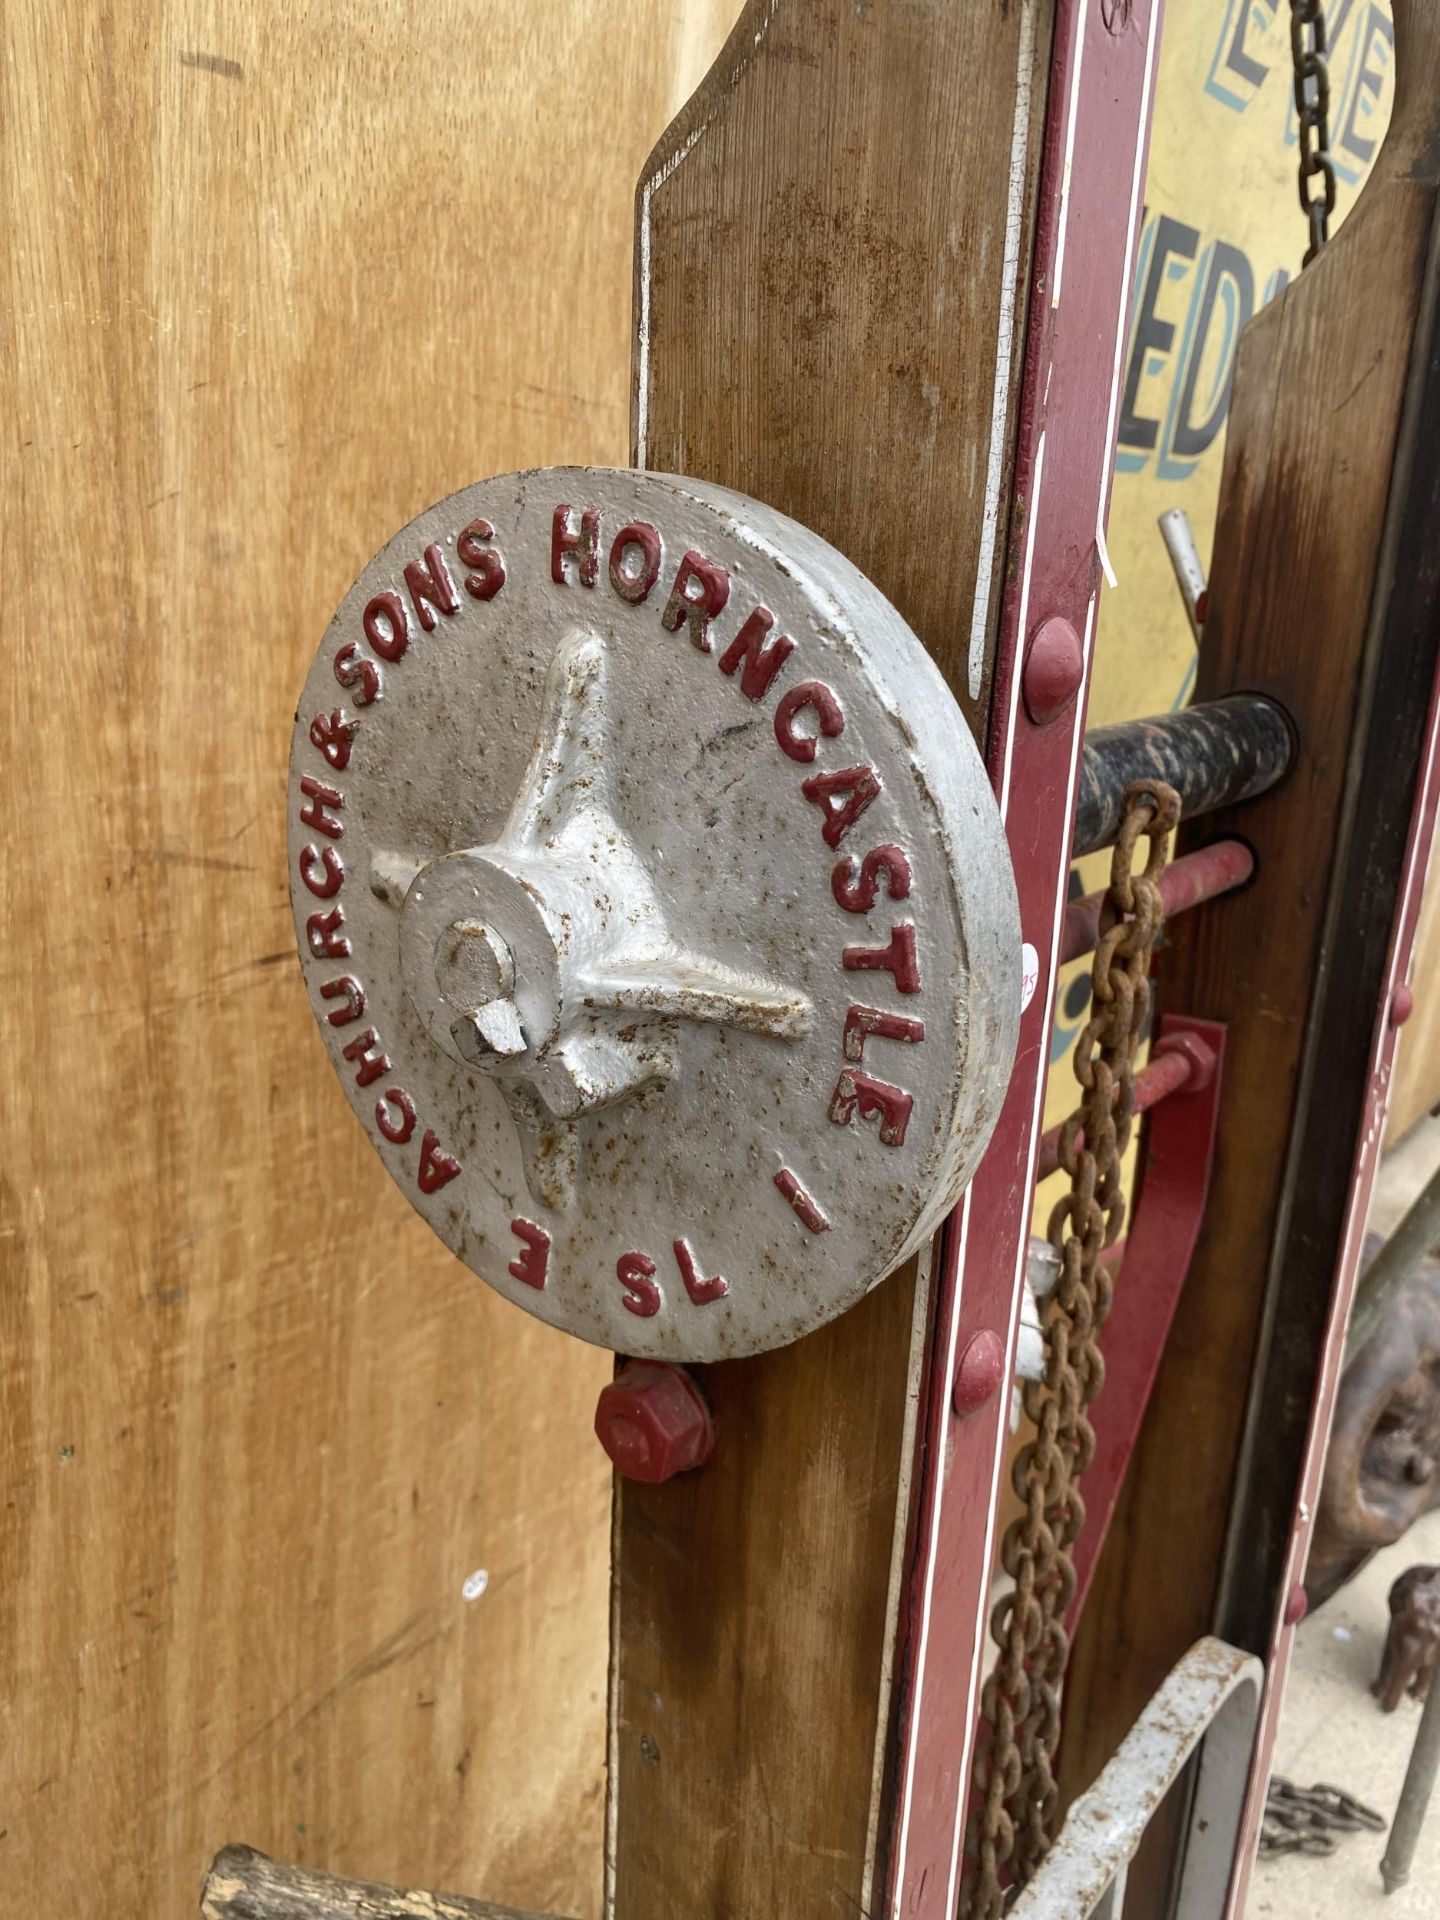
pixel 654 907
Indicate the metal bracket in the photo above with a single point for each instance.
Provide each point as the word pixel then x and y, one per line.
pixel 1212 1695
pixel 1179 1147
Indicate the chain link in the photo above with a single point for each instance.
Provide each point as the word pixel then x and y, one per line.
pixel 1308 49
pixel 1017 1794
pixel 1311 1819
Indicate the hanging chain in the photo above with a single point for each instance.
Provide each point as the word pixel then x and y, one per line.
pixel 1308 48
pixel 1018 1797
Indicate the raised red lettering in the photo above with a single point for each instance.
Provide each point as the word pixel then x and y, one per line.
pixel 862 1022
pixel 369 1058
pixel 635 586
pixel 386 626
pixel 897 958
pixel 319 796
pixel 856 1091
pixel 564 540
pixel 353 669
pixel 396 1131
pixel 842 797
pixel 322 930
pixel 436 1166
pixel 700 1290
pixel 326 884
pixel 354 994
pixel 763 659
pixel 334 734
pixel 533 1265
pixel 642 1292
pixel 431 587
pixel 822 701
pixel 489 566
pixel 696 608
pixel 854 883
pixel 805 1208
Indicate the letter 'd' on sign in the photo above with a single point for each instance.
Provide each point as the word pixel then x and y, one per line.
pixel 654 907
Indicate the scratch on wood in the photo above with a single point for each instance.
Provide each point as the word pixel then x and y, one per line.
pixel 1379 356
pixel 214 63
pixel 411 1637
pixel 209 861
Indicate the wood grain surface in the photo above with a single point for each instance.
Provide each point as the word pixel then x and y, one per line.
pixel 1299 609
pixel 822 252
pixel 277 278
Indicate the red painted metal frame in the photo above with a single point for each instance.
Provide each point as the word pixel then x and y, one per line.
pixel 1178 1150
pixel 1088 217
pixel 1367 1160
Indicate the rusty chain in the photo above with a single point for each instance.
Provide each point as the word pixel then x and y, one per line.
pixel 1016 1791
pixel 1311 1819
pixel 1308 48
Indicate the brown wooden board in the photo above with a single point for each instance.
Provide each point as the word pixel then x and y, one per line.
pixel 820 264
pixel 1312 600
pixel 275 279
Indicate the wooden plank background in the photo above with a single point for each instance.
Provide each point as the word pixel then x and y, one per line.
pixel 277 278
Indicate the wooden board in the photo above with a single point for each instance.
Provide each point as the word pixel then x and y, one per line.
pixel 1307 552
pixel 276 279
pixel 819 303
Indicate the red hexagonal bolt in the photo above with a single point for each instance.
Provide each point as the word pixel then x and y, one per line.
pixel 653 1422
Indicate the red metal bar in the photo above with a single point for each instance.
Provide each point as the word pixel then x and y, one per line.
pixel 1175 1178
pixel 1186 882
pixel 1173 1068
pixel 1090 196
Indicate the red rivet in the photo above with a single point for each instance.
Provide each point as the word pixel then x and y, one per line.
pixel 979 1373
pixel 653 1422
pixel 1296 1606
pixel 1402 1005
pixel 1054 669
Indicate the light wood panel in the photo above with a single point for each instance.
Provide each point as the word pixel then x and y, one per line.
pixel 276 277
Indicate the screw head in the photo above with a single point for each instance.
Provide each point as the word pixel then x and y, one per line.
pixel 978 1374
pixel 653 1422
pixel 1402 1005
pixel 1296 1605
